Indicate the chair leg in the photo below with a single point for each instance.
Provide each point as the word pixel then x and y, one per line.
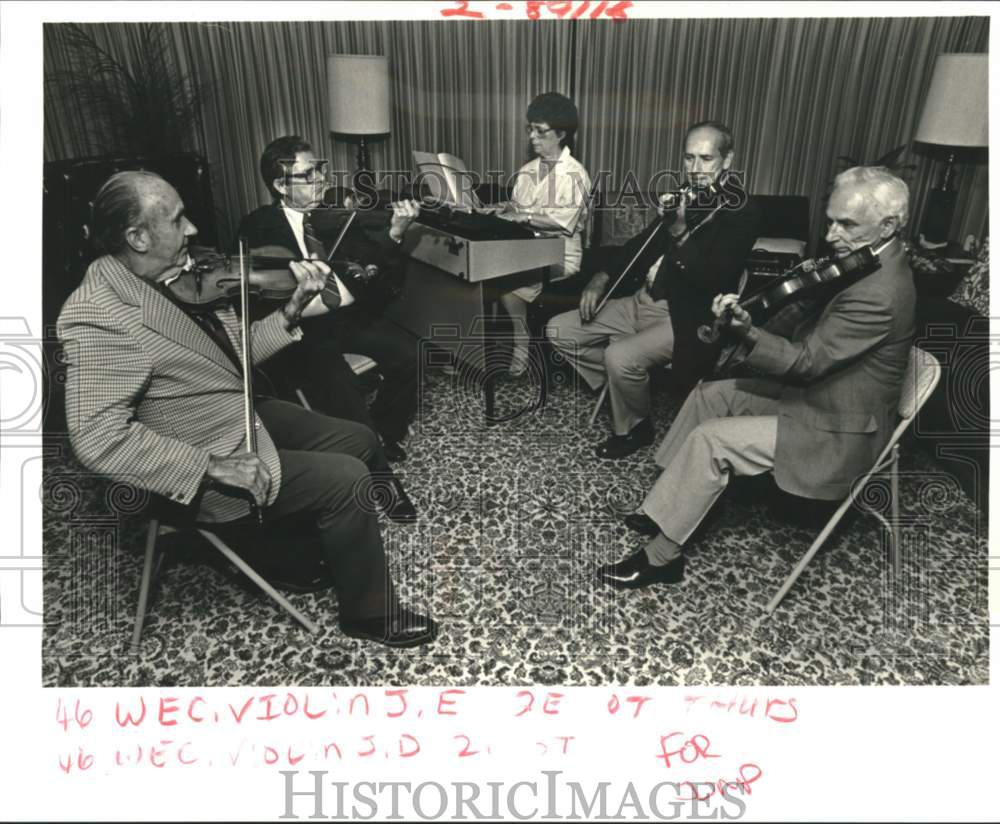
pixel 251 573
pixel 599 403
pixel 810 553
pixel 145 583
pixel 894 537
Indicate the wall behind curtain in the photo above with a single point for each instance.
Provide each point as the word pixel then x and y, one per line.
pixel 796 92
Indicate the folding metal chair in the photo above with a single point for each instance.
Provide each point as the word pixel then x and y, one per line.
pixel 154 560
pixel 922 376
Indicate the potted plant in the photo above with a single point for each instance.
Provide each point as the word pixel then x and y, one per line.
pixel 141 106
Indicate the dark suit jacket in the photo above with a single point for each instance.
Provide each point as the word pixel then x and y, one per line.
pixel 267 226
pixel 710 262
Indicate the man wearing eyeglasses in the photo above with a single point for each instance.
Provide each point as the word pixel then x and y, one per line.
pixel 294 220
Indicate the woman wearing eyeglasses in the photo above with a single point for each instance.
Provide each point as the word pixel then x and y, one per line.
pixel 550 194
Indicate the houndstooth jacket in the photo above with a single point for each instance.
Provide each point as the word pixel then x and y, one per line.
pixel 150 396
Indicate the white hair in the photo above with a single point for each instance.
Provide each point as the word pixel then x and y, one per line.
pixel 885 194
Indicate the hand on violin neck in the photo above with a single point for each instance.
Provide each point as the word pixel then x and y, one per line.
pixel 404 212
pixel 678 226
pixel 740 322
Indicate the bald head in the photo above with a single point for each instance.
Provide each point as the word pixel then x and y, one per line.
pixel 708 152
pixel 139 217
pixel 119 204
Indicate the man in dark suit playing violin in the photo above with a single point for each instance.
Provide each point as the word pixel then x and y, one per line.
pixel 154 397
pixel 295 221
pixel 827 405
pixel 680 262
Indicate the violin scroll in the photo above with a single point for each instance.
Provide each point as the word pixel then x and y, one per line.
pixel 709 334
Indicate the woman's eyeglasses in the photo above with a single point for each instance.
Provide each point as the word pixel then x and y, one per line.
pixel 531 129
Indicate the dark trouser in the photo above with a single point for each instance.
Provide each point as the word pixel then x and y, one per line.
pixel 317 367
pixel 396 353
pixel 325 466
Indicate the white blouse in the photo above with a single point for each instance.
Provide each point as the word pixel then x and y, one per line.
pixel 562 197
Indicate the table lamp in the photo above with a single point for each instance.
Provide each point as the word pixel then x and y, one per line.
pixel 359 101
pixel 956 115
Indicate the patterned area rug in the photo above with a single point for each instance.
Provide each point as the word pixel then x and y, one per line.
pixel 515 517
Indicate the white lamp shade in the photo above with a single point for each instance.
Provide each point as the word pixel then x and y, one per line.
pixel 956 112
pixel 359 93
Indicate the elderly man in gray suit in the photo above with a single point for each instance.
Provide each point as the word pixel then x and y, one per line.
pixel 829 401
pixel 154 398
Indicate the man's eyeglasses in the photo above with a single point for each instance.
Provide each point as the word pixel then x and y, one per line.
pixel 531 129
pixel 315 174
pixel 312 176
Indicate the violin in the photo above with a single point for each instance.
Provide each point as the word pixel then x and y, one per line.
pixel 214 282
pixel 803 280
pixel 669 204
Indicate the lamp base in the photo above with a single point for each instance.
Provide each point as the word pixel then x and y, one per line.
pixel 363 182
pixel 938 214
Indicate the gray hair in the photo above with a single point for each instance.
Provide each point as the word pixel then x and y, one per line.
pixel 117 206
pixel 885 194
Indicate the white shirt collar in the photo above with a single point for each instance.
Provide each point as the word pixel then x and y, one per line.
pixel 294 216
pixel 564 155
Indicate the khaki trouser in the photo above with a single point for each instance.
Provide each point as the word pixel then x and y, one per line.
pixel 723 428
pixel 629 337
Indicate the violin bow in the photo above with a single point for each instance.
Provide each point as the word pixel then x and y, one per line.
pixel 249 416
pixel 654 233
pixel 628 268
pixel 340 237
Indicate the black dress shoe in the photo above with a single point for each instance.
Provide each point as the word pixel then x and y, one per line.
pixel 400 629
pixel 400 509
pixel 394 453
pixel 642 523
pixel 299 585
pixel 635 572
pixel 621 446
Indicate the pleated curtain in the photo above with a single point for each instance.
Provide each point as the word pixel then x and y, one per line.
pixel 796 92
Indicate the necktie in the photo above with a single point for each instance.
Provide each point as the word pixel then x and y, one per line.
pixel 314 246
pixel 210 322
pixel 213 326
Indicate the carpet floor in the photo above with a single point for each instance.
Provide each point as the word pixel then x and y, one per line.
pixel 515 517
